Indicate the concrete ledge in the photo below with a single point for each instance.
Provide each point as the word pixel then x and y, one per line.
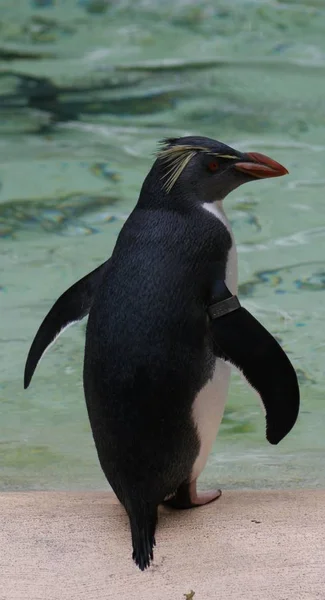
pixel 246 546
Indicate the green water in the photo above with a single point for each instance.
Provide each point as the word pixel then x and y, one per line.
pixel 86 92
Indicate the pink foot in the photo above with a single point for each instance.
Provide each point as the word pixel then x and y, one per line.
pixel 201 498
pixel 187 496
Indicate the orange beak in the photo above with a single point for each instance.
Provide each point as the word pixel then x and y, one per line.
pixel 260 166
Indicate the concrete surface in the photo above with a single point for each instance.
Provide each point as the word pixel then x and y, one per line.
pixel 248 545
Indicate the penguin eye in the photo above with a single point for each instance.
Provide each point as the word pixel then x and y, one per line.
pixel 213 166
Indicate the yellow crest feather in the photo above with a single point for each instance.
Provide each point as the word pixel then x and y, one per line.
pixel 177 158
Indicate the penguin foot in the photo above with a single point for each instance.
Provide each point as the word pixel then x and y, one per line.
pixel 206 497
pixel 187 496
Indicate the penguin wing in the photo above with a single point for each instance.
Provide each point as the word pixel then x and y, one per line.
pixel 72 306
pixel 239 338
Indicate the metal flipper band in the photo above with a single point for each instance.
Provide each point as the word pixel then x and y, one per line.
pixel 219 309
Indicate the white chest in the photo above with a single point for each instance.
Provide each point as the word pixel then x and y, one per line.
pixel 210 403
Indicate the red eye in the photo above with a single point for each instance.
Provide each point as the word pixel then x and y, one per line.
pixel 213 166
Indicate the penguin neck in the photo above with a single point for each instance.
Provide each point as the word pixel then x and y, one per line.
pixel 216 208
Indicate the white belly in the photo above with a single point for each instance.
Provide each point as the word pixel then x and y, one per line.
pixel 210 403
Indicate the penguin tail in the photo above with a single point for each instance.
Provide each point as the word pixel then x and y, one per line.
pixel 143 522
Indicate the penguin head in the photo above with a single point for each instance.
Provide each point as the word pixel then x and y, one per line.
pixel 208 170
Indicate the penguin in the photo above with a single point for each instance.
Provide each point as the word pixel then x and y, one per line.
pixel 165 326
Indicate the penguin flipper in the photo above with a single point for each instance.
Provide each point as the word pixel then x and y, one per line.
pixel 239 338
pixel 72 306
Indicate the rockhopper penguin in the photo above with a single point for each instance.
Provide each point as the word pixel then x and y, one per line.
pixel 164 327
